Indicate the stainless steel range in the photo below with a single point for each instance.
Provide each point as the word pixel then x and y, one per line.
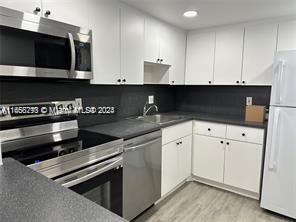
pixel 45 137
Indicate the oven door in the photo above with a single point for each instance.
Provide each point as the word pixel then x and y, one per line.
pixel 100 183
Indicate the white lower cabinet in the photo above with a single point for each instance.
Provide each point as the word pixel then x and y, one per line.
pixel 243 165
pixel 169 165
pixel 208 157
pixel 184 157
pixel 176 159
pixel 234 160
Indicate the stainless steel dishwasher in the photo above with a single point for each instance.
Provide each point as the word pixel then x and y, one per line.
pixel 141 173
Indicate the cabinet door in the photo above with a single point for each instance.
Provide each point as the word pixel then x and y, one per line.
pixel 208 157
pixel 243 165
pixel 177 47
pixel 132 46
pixel 29 6
pixel 169 168
pixel 105 25
pixel 200 58
pixel 172 51
pixel 151 40
pixel 228 56
pixel 75 12
pixel 184 155
pixel 287 36
pixel 259 51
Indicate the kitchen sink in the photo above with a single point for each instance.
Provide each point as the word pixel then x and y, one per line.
pixel 160 118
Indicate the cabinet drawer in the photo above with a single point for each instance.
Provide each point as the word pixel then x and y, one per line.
pixel 175 132
pixel 245 134
pixel 209 129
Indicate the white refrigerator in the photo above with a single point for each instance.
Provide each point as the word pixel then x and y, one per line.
pixel 279 178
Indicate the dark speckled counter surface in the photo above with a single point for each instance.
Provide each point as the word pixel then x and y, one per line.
pixel 125 129
pixel 130 128
pixel 219 118
pixel 27 196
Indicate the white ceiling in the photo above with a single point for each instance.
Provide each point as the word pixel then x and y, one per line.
pixel 214 12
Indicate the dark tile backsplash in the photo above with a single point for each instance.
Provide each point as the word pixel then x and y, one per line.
pixel 220 99
pixel 129 100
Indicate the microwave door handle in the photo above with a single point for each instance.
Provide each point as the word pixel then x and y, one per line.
pixel 274 141
pixel 73 53
pixel 75 181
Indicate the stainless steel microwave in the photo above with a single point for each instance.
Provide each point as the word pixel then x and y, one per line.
pixel 32 46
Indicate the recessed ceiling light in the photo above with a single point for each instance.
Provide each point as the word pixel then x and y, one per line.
pixel 190 14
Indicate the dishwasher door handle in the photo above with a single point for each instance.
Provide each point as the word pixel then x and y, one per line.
pixel 141 145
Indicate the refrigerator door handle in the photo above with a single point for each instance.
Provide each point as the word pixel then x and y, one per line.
pixel 274 150
pixel 279 81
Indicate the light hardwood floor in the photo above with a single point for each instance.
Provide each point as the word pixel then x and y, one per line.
pixel 200 203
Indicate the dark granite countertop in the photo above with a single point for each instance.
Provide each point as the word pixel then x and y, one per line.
pixel 125 129
pixel 130 128
pixel 218 118
pixel 28 196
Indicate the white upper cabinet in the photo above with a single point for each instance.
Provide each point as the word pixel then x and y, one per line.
pixel 259 51
pixel 30 6
pixel 287 36
pixel 151 40
pixel 172 43
pixel 68 11
pixel 228 56
pixel 105 25
pixel 132 46
pixel 165 44
pixel 200 58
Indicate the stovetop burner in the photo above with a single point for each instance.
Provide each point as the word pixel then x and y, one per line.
pixel 81 140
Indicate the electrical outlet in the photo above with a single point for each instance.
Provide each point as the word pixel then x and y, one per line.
pixel 150 99
pixel 249 101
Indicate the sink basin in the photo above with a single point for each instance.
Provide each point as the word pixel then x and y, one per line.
pixel 160 119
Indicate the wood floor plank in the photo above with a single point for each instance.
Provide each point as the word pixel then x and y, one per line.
pixel 195 202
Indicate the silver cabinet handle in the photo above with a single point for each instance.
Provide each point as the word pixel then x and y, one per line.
pixel 74 179
pixel 141 145
pixel 73 53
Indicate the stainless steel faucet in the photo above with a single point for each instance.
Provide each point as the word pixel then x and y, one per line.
pixel 145 111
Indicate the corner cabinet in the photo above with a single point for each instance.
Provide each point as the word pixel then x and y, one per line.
pixel 176 156
pixel 228 156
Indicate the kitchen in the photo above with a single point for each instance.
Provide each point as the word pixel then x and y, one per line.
pixel 147 110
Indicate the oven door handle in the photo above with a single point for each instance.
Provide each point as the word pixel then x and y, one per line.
pixel 73 53
pixel 92 171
